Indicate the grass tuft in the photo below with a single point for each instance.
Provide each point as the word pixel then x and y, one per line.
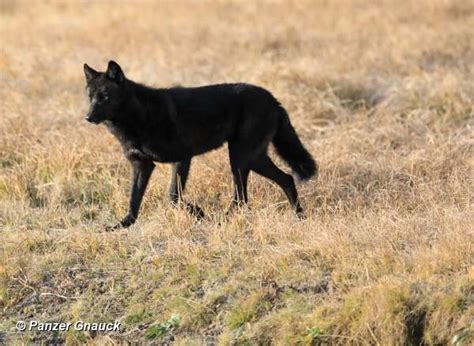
pixel 380 93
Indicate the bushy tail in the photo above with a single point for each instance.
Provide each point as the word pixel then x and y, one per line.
pixel 290 148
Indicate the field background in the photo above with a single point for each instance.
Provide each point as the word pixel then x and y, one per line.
pixel 381 93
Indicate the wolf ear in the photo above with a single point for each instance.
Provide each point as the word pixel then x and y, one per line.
pixel 114 72
pixel 90 73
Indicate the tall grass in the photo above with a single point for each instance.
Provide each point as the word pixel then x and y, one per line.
pixel 381 93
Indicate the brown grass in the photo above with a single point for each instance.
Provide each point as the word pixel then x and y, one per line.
pixel 382 94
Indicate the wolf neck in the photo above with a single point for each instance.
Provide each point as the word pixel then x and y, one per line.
pixel 144 108
pixel 141 104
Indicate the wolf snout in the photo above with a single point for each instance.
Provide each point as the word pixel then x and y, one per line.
pixel 89 119
pixel 92 119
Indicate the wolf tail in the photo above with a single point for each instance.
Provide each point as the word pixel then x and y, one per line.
pixel 290 148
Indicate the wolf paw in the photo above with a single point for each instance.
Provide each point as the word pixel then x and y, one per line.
pixel 195 211
pixel 113 228
pixel 126 222
pixel 300 214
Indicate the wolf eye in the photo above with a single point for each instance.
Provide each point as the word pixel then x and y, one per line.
pixel 101 97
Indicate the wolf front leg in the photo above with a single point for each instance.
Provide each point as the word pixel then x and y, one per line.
pixel 179 176
pixel 142 170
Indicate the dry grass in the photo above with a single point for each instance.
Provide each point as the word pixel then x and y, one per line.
pixel 382 94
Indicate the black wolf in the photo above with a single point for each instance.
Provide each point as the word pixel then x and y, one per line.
pixel 173 125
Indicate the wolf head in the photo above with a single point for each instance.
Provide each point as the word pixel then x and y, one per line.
pixel 105 91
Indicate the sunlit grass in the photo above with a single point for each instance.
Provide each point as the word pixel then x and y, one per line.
pixel 380 93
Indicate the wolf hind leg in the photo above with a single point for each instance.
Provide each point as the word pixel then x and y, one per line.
pixel 239 163
pixel 179 176
pixel 264 166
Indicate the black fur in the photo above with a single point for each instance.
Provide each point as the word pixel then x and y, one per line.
pixel 173 125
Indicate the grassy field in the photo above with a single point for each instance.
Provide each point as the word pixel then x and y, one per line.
pixel 381 93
